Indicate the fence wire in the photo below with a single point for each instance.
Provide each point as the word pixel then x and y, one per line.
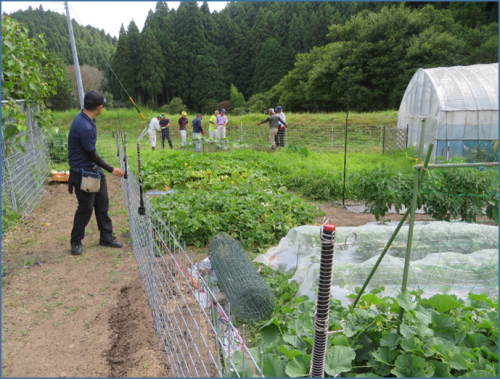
pixel 193 329
pixel 25 172
pixel 316 137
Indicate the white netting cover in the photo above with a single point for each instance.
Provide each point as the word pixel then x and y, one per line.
pixel 455 258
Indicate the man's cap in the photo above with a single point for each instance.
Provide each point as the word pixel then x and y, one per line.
pixel 93 99
pixel 216 112
pixel 271 110
pixel 184 114
pixel 159 116
pixel 222 110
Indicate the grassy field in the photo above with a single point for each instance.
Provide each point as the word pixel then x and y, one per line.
pixel 320 133
pixel 132 121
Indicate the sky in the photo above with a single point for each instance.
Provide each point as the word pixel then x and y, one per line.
pixel 107 15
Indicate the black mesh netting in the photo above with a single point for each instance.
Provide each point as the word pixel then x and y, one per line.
pixel 250 297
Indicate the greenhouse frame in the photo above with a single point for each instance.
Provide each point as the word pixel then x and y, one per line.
pixel 460 106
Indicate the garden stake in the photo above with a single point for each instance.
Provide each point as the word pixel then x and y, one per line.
pixel 422 139
pixel 117 144
pixel 419 171
pixel 389 243
pixel 323 303
pixel 125 154
pixel 141 210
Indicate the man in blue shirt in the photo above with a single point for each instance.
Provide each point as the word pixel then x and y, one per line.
pixel 197 132
pixel 82 155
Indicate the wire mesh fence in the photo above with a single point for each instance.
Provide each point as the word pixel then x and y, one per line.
pixel 24 170
pixel 318 137
pixel 192 327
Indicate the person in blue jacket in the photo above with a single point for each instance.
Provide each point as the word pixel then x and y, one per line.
pixel 197 132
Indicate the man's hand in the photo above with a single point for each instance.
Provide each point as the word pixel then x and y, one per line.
pixel 286 126
pixel 202 133
pixel 118 172
pixel 258 124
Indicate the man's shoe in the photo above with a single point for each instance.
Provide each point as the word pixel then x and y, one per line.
pixel 76 248
pixel 110 241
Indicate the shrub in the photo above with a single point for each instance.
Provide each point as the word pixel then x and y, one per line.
pixel 258 103
pixel 240 111
pixel 175 106
pixel 209 106
pixel 226 105
pixel 109 100
pixel 237 98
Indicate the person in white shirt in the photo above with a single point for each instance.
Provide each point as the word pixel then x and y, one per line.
pixel 154 127
pixel 280 137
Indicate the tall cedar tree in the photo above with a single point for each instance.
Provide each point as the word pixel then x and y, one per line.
pixel 257 45
pixel 151 71
pixel 122 66
pixel 133 41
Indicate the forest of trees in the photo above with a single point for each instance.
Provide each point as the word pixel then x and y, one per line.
pixel 306 56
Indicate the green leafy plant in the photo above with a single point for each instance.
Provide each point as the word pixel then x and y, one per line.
pixel 58 145
pixel 175 106
pixel 26 75
pixel 382 187
pixel 442 336
pixel 251 215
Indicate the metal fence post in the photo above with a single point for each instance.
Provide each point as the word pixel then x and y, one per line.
pixel 383 145
pixel 422 139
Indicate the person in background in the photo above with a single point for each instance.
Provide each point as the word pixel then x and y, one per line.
pixel 182 125
pixel 221 122
pixel 273 127
pixel 165 131
pixel 82 155
pixel 212 128
pixel 197 132
pixel 280 137
pixel 154 127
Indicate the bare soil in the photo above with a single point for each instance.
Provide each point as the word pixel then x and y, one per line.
pixel 340 216
pixel 67 316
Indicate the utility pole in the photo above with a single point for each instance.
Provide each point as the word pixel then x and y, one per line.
pixel 75 57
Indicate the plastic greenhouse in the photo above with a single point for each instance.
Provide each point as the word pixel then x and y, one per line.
pixel 460 105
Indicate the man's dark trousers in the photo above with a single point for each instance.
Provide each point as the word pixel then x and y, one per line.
pixel 280 137
pixel 87 202
pixel 165 133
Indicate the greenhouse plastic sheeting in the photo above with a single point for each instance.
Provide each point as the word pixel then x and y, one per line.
pixel 460 105
pixel 455 258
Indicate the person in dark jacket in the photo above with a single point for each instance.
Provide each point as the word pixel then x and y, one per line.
pixel 197 132
pixel 165 131
pixel 274 121
pixel 82 156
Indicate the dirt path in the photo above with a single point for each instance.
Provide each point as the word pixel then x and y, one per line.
pixel 66 316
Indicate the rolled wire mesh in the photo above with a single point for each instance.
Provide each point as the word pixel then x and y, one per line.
pixel 250 297
pixel 24 172
pixel 198 341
